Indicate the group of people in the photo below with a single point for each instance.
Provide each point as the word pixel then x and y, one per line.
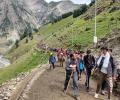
pixel 78 62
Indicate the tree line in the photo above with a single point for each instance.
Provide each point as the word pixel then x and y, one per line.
pixel 76 13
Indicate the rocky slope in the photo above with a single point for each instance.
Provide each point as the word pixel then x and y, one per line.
pixel 43 10
pixel 15 17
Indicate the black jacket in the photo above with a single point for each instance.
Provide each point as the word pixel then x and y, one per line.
pixel 89 61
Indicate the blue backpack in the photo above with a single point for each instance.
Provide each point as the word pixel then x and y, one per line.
pixel 81 64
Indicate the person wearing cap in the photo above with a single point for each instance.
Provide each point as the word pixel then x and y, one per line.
pixel 52 60
pixel 89 63
pixel 105 72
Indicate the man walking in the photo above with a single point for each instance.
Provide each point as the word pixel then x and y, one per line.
pixel 52 60
pixel 89 62
pixel 114 72
pixel 72 71
pixel 105 72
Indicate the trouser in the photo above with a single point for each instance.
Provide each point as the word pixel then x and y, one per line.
pixel 52 65
pixel 103 77
pixel 75 82
pixel 103 85
pixel 61 62
pixel 88 75
pixel 81 70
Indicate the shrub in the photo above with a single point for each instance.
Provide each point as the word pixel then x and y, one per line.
pixel 80 11
pixel 17 43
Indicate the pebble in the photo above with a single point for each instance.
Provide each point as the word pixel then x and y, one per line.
pixel 8 87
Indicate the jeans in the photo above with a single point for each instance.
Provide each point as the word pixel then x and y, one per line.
pixel 75 82
pixel 88 75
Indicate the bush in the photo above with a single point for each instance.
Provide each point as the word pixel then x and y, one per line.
pixel 114 9
pixel 80 11
pixel 17 43
pixel 92 2
pixel 67 15
pixel 87 29
pixel 112 18
pixel 35 30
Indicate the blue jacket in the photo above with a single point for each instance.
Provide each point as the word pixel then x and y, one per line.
pixel 52 59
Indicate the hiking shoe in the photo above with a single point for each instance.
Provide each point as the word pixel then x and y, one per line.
pixel 103 92
pixel 77 98
pixel 96 95
pixel 87 89
pixel 64 91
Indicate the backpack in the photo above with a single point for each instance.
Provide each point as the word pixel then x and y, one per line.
pixel 81 64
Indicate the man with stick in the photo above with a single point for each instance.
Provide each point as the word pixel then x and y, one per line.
pixel 72 71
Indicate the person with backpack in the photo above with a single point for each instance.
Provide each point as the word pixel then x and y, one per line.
pixel 72 71
pixel 105 72
pixel 89 62
pixel 52 60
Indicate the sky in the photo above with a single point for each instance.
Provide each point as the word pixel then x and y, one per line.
pixel 75 1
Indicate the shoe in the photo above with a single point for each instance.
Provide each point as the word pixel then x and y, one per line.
pixel 96 95
pixel 87 89
pixel 64 91
pixel 77 98
pixel 103 92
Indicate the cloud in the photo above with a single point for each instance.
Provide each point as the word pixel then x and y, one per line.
pixel 75 1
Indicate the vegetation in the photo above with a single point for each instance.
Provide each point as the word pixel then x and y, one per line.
pixel 92 2
pixel 80 11
pixel 24 63
pixel 70 32
pixel 67 33
pixel 17 43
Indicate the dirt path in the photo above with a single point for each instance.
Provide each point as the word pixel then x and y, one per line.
pixel 49 86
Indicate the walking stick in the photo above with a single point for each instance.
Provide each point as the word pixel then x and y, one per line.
pixel 68 82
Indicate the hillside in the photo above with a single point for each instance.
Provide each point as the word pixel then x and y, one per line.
pixel 70 32
pixel 23 17
pixel 66 33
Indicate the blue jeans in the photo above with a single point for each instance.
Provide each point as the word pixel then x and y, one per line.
pixel 75 82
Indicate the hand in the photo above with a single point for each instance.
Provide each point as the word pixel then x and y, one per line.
pixel 114 78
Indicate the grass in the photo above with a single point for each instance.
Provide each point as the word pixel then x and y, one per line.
pixel 23 48
pixel 64 33
pixel 76 33
pixel 25 63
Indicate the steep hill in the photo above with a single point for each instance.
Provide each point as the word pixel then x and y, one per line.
pixel 79 31
pixel 66 33
pixel 15 17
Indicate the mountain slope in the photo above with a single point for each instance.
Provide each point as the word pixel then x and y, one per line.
pixel 15 17
pixel 80 31
pixel 66 33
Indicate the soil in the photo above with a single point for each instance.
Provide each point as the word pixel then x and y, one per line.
pixel 49 86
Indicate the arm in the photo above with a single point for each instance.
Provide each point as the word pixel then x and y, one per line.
pixel 114 68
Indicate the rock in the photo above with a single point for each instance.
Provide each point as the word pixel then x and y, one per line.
pixel 5 98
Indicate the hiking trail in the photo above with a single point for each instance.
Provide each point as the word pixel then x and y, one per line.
pixel 49 86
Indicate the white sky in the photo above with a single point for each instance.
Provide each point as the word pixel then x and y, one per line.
pixel 75 1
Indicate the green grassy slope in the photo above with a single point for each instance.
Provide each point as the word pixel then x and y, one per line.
pixel 65 33
pixel 25 63
pixel 79 31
